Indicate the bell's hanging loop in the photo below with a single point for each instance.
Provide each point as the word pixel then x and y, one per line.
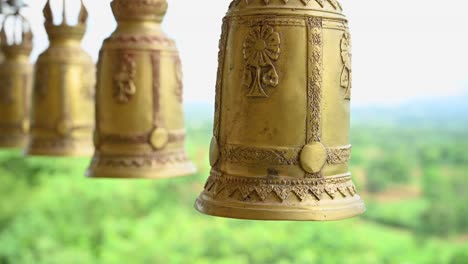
pixel 139 117
pixel 280 149
pixel 16 81
pixel 63 100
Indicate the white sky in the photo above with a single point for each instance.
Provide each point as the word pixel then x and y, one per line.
pixel 402 49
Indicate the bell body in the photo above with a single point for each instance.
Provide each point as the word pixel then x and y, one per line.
pixel 281 143
pixel 63 100
pixel 139 117
pixel 16 75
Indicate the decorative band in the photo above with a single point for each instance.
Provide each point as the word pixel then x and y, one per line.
pixel 279 156
pixel 11 126
pixel 53 128
pixel 139 161
pixel 174 136
pixel 142 39
pixel 220 184
pixel 60 143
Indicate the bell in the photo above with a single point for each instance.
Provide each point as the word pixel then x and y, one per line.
pixel 139 122
pixel 280 149
pixel 16 75
pixel 63 101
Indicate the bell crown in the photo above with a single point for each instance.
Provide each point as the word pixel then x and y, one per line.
pixel 330 6
pixel 20 41
pixel 65 30
pixel 149 10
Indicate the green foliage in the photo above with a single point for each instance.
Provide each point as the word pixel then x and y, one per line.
pixel 405 214
pixel 50 213
pixel 446 192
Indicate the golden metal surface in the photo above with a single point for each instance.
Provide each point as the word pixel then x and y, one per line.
pixel 280 149
pixel 63 101
pixel 139 121
pixel 16 82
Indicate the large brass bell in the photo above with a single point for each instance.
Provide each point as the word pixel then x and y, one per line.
pixel 281 148
pixel 140 124
pixel 63 100
pixel 15 81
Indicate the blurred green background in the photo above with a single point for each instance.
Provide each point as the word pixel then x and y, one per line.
pixel 410 163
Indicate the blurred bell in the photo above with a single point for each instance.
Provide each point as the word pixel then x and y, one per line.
pixel 16 81
pixel 281 148
pixel 139 122
pixel 63 101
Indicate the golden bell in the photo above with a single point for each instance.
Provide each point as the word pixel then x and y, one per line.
pixel 140 124
pixel 63 101
pixel 16 75
pixel 281 148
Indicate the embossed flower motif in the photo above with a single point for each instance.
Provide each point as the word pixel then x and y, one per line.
pixel 261 48
pixel 346 54
pixel 125 85
pixel 346 57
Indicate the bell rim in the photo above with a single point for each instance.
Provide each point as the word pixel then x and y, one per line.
pixel 72 154
pixel 86 150
pixel 339 210
pixel 14 143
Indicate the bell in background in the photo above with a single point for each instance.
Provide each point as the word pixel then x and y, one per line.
pixel 281 149
pixel 63 100
pixel 16 74
pixel 139 121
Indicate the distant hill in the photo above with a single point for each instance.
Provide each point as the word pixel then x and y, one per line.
pixel 443 111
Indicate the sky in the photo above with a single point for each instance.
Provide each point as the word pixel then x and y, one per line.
pixel 402 49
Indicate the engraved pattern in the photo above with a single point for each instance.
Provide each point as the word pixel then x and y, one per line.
pixel 339 155
pixel 346 57
pixel 179 79
pixel 285 156
pixel 219 80
pixel 334 3
pixel 59 144
pixel 174 136
pixel 154 160
pixel 177 136
pixel 156 66
pixel 133 39
pixel 125 79
pixel 315 66
pixel 239 154
pixel 304 189
pixel 268 20
pixel 261 49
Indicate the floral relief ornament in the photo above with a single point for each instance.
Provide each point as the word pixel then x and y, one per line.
pixel 124 79
pixel 261 49
pixel 346 57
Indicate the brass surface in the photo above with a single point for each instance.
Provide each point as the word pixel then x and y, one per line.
pixel 63 101
pixel 16 82
pixel 139 117
pixel 280 149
